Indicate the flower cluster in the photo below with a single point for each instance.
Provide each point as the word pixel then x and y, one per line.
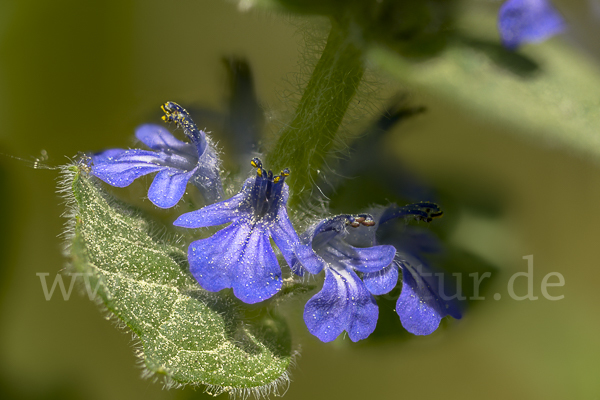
pixel 240 255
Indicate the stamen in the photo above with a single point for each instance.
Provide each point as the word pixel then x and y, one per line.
pixel 175 113
pixel 281 177
pixel 256 163
pixel 423 211
pixel 432 210
pixel 360 219
pixel 267 188
pixel 369 221
pixel 439 214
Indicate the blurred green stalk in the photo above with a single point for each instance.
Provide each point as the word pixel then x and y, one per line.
pixel 304 142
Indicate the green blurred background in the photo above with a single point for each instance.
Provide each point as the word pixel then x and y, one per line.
pixel 78 76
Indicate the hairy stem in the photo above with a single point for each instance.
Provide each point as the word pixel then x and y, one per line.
pixel 304 142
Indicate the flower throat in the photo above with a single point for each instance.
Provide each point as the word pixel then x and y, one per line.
pixel 267 189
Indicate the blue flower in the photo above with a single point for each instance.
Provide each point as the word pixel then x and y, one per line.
pixel 175 161
pixel 422 303
pixel 528 21
pixel 345 302
pixel 240 255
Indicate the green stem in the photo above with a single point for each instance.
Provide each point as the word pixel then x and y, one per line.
pixel 305 141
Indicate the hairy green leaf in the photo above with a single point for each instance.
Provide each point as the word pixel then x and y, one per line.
pixel 187 334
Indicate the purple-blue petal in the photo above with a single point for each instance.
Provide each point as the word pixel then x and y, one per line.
pixel 528 21
pixel 367 259
pixel 214 214
pixel 257 273
pixel 420 307
pixel 382 281
pixel 284 235
pixel 106 155
pixel 158 138
pixel 122 168
pixel 209 258
pixel 168 187
pixel 419 313
pixel 238 256
pixel 309 260
pixel 343 304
